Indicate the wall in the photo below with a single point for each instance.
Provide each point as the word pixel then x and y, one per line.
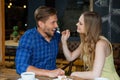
pixel 110 12
pixel 32 5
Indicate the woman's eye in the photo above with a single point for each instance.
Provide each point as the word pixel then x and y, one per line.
pixel 80 23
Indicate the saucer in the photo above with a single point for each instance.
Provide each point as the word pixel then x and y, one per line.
pixel 65 79
pixel 56 79
pixel 21 79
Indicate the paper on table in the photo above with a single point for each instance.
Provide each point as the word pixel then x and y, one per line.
pixel 21 79
pixel 63 79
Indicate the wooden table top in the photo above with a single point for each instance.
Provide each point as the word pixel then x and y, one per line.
pixel 11 43
pixel 10 74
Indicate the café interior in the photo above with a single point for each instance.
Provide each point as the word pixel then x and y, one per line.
pixel 17 16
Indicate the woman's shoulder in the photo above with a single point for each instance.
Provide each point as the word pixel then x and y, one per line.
pixel 102 43
pixel 103 40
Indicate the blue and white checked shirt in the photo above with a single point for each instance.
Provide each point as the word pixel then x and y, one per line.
pixel 34 50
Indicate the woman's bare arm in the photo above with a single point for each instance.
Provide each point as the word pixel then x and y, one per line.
pixel 100 56
pixel 70 56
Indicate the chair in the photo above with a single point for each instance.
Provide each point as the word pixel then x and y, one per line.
pixel 72 65
pixel 116 54
pixel 10 53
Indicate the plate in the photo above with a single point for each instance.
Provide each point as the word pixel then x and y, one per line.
pixel 21 79
pixel 56 79
pixel 65 79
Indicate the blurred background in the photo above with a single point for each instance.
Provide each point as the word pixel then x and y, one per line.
pixel 21 13
pixel 19 16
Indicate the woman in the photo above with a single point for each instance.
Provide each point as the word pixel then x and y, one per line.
pixel 95 50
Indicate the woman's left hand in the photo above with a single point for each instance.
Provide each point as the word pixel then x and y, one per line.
pixel 65 35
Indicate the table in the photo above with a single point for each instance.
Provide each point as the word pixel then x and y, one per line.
pixel 10 74
pixel 11 43
pixel 10 49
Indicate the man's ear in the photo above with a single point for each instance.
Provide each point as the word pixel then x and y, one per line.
pixel 40 24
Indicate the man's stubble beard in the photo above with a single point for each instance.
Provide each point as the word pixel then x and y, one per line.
pixel 49 35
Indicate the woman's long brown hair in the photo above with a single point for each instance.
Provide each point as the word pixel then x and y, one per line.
pixel 92 22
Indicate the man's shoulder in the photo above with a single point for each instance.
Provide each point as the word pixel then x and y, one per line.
pixel 30 31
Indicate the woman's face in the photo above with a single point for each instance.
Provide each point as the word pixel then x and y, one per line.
pixel 80 25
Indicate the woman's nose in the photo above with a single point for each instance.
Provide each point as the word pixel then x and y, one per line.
pixel 76 24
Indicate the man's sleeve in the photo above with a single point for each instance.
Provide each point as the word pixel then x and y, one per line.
pixel 23 54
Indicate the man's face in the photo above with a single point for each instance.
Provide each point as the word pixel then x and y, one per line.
pixel 49 27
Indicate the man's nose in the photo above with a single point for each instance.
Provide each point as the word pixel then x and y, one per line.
pixel 56 25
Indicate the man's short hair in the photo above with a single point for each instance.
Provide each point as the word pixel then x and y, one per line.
pixel 42 13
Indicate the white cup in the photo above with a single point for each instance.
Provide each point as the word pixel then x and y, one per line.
pixel 28 76
pixel 101 78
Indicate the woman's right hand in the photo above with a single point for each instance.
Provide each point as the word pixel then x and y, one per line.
pixel 65 35
pixel 56 73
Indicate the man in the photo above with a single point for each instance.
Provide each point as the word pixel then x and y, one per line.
pixel 38 47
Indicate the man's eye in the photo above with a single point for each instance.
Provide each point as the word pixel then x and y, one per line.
pixel 53 22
